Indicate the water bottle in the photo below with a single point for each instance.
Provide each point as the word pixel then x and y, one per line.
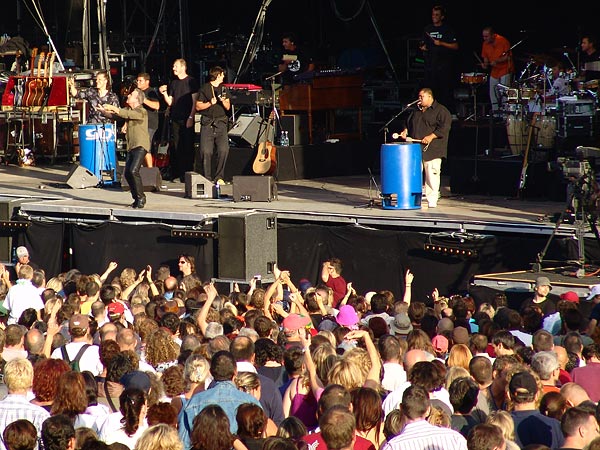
pixel 285 140
pixel 217 190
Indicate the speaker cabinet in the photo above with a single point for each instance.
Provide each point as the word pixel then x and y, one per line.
pixel 197 186
pixel 151 179
pixel 247 245
pixel 297 127
pixel 80 178
pixel 249 129
pixel 8 209
pixel 257 188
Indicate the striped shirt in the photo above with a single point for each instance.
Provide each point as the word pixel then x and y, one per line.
pixel 15 407
pixel 421 435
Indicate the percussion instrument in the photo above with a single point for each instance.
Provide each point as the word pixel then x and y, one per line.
pixel 516 130
pixel 98 152
pixel 546 132
pixel 401 176
pixel 527 93
pixel 512 95
pixel 592 84
pixel 473 78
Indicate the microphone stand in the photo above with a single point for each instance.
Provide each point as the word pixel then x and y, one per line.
pixel 385 129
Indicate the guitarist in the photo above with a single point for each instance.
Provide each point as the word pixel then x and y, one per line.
pixel 497 58
pixel 213 103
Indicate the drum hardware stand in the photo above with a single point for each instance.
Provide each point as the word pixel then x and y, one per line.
pixel 372 183
pixel 576 205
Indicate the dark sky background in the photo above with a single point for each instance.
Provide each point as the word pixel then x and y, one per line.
pixel 333 29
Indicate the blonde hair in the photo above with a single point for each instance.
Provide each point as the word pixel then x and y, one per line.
pixel 361 357
pixel 159 437
pixel 55 284
pixel 460 356
pixel 453 373
pixel 438 417
pixel 329 335
pixel 347 373
pixel 18 375
pixel 503 420
pixel 247 381
pixel 127 277
pixel 196 370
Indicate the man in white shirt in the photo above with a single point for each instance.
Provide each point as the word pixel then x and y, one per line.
pixel 22 295
pixel 79 329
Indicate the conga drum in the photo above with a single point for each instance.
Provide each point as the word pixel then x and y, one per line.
pixel 98 151
pixel 516 131
pixel 546 132
pixel 401 176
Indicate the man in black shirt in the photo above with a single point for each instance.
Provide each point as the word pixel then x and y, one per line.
pixel 213 104
pixel 181 95
pixel 294 60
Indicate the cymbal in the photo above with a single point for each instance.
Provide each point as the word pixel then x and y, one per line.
pixel 538 58
pixel 564 49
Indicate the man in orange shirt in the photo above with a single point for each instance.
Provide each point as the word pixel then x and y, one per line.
pixel 497 57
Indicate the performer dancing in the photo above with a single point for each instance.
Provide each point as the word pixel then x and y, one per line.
pixel 213 104
pixel 431 124
pixel 138 142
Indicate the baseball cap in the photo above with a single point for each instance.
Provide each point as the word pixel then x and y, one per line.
pixel 523 384
pixel 347 316
pixel 543 281
pixel 79 321
pixel 460 335
pixel 22 251
pixel 136 379
pixel 115 308
pixel 570 296
pixel 327 325
pixel 440 343
pixel 401 324
pixel 593 292
pixel 295 322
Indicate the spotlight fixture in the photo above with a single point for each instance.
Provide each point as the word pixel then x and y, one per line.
pixel 13 225
pixel 192 234
pixel 451 251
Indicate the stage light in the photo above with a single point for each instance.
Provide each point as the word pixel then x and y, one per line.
pixel 192 234
pixel 451 251
pixel 13 225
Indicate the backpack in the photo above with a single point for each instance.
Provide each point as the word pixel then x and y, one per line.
pixel 75 363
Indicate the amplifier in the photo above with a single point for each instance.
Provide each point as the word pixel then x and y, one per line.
pixel 567 106
pixel 569 126
pixel 257 188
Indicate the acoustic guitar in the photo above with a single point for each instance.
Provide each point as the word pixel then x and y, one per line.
pixel 265 161
pixel 33 82
pixel 46 80
pixel 42 84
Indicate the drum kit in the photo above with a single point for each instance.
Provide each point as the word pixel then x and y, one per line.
pixel 473 80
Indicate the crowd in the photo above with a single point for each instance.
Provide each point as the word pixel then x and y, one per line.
pixel 157 360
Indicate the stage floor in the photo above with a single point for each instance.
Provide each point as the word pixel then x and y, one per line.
pixel 349 199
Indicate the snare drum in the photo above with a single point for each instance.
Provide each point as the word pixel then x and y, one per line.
pixel 473 78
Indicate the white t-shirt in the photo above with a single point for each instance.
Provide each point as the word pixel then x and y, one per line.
pixel 112 431
pixel 90 360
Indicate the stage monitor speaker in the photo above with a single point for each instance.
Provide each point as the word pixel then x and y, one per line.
pixel 247 129
pixel 197 186
pixel 80 178
pixel 247 245
pixel 8 209
pixel 254 188
pixel 151 179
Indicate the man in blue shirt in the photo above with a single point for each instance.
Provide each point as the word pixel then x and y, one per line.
pixel 223 393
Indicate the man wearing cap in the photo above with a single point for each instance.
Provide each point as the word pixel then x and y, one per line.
pixel 594 297
pixel 541 297
pixel 23 258
pixel 531 426
pixel 293 325
pixel 79 329
pixel 22 295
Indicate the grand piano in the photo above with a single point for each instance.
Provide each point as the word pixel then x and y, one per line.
pixel 324 91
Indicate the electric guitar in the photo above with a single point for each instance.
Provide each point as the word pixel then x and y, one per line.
pixel 526 155
pixel 265 161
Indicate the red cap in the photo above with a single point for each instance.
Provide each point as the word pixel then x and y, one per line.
pixel 570 296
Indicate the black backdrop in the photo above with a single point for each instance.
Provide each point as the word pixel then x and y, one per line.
pixel 373 259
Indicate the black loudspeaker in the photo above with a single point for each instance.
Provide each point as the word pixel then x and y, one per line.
pixel 8 210
pixel 246 129
pixel 257 188
pixel 247 246
pixel 80 178
pixel 151 179
pixel 197 186
pixel 297 127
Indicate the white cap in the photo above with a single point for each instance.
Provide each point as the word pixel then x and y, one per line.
pixel 595 290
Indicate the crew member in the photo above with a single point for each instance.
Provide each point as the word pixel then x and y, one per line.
pixel 138 142
pixel 181 95
pixel 431 124
pixel 213 104
pixel 439 49
pixel 590 58
pixel 497 57
pixel 294 60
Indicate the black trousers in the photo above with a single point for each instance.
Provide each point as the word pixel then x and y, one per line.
pixel 182 156
pixel 135 158
pixel 211 136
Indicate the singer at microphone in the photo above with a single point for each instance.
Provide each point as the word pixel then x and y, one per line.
pixel 430 125
pixel 412 103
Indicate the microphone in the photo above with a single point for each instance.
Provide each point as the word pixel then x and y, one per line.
pixel 412 103
pixel 395 135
